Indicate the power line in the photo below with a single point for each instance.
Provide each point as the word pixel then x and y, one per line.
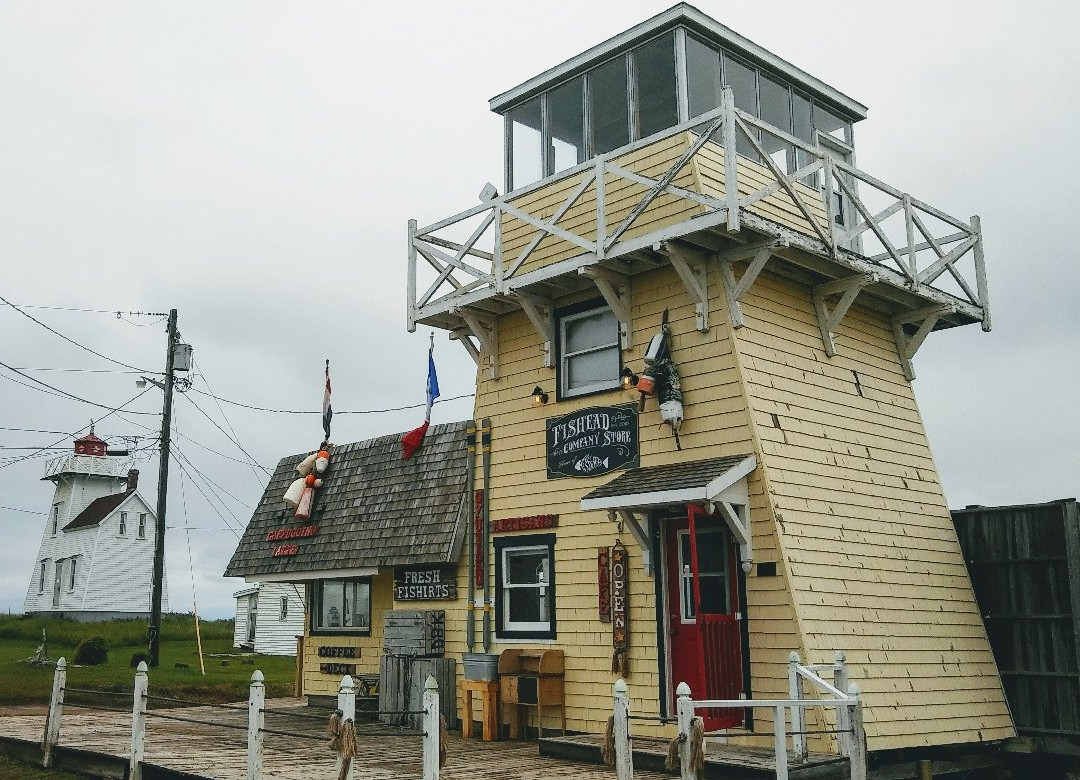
pixel 87 370
pixel 65 338
pixel 65 393
pixel 76 433
pixel 231 439
pixel 117 312
pixel 336 412
pixel 27 511
pixel 225 417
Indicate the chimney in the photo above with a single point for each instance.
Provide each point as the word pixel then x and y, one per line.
pixel 132 480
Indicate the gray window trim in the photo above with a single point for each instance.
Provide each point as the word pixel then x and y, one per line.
pixel 596 387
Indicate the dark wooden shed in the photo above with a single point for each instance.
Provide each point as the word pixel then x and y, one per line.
pixel 1024 563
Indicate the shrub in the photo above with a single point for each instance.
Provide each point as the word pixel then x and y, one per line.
pixel 92 651
pixel 140 656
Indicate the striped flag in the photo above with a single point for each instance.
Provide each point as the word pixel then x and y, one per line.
pixel 327 410
pixel 412 440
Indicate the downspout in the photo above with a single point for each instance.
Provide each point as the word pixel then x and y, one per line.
pixel 470 482
pixel 485 447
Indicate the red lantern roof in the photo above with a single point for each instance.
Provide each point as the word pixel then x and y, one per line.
pixel 90 445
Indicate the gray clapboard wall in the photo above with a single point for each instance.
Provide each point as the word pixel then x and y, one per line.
pixel 401 688
pixel 1024 563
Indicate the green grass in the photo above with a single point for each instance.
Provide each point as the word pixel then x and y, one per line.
pixel 25 684
pixel 10 769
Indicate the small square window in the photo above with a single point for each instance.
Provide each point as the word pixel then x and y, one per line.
pixel 142 525
pixel 342 607
pixel 123 523
pixel 525 592
pixel 589 356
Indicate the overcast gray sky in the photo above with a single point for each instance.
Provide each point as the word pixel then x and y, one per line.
pixel 254 164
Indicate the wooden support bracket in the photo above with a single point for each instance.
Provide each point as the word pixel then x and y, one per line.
pixel 758 253
pixel 465 337
pixel 906 345
pixel 740 529
pixel 639 534
pixel 615 288
pixel 541 313
pixel 486 331
pixel 694 276
pixel 847 289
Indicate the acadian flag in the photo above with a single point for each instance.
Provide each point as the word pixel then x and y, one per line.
pixel 412 440
pixel 327 410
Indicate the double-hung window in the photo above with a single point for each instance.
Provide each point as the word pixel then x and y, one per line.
pixel 342 607
pixel 525 592
pixel 284 615
pixel 41 576
pixel 142 525
pixel 71 574
pixel 589 358
pixel 123 524
pixel 55 519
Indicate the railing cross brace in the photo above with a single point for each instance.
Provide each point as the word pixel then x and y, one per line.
pixel 906 345
pixel 828 321
pixel 486 330
pixel 541 313
pixel 692 272
pixel 615 288
pixel 760 252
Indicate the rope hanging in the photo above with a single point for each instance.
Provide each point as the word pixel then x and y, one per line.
pixel 607 747
pixel 333 731
pixel 697 748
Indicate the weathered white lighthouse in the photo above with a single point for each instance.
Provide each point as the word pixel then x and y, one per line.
pixel 95 560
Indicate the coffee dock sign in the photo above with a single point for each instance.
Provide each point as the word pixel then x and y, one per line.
pixel 592 441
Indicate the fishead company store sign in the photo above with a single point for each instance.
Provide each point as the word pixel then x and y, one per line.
pixel 592 441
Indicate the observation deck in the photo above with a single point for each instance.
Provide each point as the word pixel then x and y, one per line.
pixel 85 464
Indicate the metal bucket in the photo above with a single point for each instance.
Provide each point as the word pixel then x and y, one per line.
pixel 481 666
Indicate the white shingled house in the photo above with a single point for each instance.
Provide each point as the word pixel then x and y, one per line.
pixel 95 561
pixel 269 618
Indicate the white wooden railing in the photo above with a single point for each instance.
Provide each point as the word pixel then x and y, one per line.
pixel 256 721
pixel 841 696
pixel 911 244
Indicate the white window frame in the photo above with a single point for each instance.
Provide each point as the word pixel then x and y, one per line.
pixel 283 615
pixel 55 518
pixel 142 525
pixel 565 391
pixel 41 575
pixel 122 530
pixel 533 627
pixel 71 574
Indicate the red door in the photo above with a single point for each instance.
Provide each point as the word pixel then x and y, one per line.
pixel 703 603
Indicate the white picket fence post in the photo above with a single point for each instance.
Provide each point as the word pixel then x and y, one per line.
pixel 346 702
pixel 432 730
pixel 858 735
pixel 684 709
pixel 798 714
pixel 843 714
pixel 256 721
pixel 56 711
pixel 624 754
pixel 138 723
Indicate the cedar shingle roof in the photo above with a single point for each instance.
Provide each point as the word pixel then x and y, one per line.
pixel 97 510
pixel 374 509
pixel 669 477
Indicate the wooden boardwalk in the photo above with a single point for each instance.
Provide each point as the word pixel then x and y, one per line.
pixel 219 751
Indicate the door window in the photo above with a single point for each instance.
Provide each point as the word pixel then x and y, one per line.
pixel 712 571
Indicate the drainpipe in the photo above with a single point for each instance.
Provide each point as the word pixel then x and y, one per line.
pixel 470 482
pixel 485 448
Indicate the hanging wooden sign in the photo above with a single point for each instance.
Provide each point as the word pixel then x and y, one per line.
pixel 620 624
pixel 603 583
pixel 592 441
pixel 478 538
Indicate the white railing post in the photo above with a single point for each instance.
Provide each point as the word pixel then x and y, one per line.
pixel 432 729
pixel 843 714
pixel 56 711
pixel 858 735
pixel 980 272
pixel 411 280
pixel 346 702
pixel 624 756
pixel 731 164
pixel 780 743
pixel 798 714
pixel 256 719
pixel 138 723
pixel 684 709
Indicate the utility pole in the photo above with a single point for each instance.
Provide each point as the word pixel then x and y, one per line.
pixel 162 490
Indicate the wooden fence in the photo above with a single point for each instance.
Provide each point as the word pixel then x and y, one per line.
pixel 256 720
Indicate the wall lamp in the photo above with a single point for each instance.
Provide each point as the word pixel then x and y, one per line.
pixel 629 379
pixel 539 396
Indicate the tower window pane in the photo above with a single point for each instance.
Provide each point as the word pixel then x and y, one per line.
pixel 608 112
pixel 654 86
pixel 526 123
pixel 566 126
pixel 702 76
